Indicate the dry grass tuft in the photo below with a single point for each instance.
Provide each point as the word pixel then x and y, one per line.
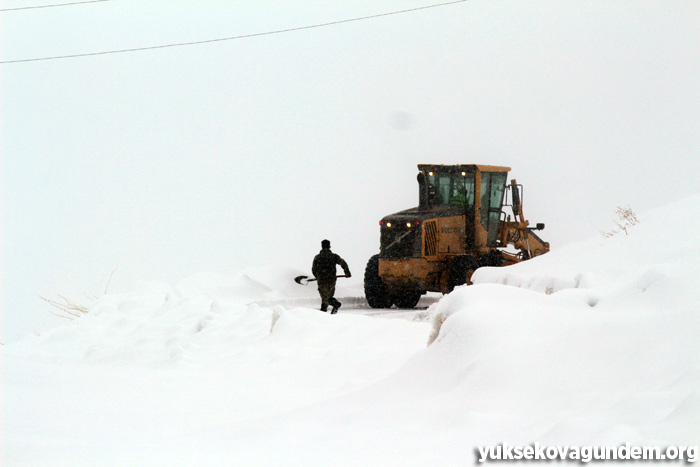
pixel 627 218
pixel 68 309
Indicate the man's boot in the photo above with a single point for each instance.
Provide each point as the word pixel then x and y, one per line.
pixel 336 304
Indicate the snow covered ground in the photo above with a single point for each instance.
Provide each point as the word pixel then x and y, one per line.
pixel 595 343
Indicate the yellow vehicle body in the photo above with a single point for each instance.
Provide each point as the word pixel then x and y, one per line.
pixel 464 221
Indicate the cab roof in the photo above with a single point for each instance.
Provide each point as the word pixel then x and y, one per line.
pixel 466 167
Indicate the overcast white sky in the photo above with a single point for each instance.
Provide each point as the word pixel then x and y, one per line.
pixel 235 154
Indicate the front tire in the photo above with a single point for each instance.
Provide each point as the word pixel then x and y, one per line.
pixel 407 299
pixel 375 290
pixel 461 270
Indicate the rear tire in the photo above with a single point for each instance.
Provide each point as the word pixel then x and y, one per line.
pixel 375 290
pixel 462 267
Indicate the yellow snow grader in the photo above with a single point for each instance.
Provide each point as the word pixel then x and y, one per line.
pixel 467 217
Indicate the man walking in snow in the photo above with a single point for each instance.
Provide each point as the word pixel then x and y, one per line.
pixel 324 269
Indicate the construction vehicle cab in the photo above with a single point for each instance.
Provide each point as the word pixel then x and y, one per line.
pixel 467 217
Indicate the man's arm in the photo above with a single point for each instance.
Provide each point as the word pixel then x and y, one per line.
pixel 344 265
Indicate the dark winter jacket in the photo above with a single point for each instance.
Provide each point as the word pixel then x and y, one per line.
pixel 324 266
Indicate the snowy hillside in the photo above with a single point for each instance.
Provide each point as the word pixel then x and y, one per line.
pixel 596 343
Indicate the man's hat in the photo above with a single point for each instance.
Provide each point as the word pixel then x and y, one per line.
pixel 326 244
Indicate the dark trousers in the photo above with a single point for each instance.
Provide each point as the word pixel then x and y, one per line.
pixel 327 290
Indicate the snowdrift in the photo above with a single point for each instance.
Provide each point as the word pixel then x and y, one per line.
pixel 598 343
pixel 594 344
pixel 139 378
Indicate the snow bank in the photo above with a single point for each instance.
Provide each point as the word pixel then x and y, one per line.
pixel 137 380
pixel 160 325
pixel 663 242
pixel 260 284
pixel 568 372
pixel 597 343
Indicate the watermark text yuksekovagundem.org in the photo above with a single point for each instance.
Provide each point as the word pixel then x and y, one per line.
pixel 624 452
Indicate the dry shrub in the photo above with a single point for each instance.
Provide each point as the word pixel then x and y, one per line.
pixel 68 309
pixel 627 218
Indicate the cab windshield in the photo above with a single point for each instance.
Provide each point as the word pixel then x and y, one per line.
pixel 451 188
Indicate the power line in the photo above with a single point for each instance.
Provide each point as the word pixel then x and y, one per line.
pixel 51 6
pixel 245 36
